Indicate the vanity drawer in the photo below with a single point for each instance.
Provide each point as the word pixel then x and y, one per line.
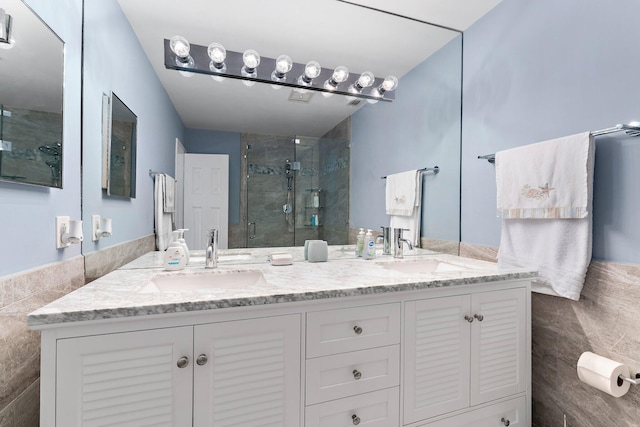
pixel 347 374
pixel 377 409
pixel 357 328
pixel 512 413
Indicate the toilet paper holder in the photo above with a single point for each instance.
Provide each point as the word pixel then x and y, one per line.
pixel 634 381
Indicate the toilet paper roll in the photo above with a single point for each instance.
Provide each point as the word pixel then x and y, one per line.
pixel 602 373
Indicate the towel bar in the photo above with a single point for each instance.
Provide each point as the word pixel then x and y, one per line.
pixel 632 129
pixel 434 169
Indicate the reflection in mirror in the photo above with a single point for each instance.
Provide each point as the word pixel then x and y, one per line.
pixel 119 147
pixel 31 71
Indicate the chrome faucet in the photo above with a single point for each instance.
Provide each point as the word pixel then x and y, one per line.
pixel 386 240
pixel 211 253
pixel 398 240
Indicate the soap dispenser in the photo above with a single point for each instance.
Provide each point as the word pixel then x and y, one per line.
pixel 369 251
pixel 360 242
pixel 174 257
pixel 187 253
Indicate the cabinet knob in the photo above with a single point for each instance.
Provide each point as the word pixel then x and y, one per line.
pixel 357 330
pixel 202 360
pixel 468 318
pixel 505 421
pixel 183 362
pixel 357 374
pixel 480 317
pixel 355 419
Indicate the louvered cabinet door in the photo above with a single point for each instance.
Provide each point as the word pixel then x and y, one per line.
pixel 498 345
pixel 251 377
pixel 125 379
pixel 437 339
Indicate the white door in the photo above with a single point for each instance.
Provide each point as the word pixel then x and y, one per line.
pixel 206 198
pixel 251 374
pixel 131 378
pixel 180 152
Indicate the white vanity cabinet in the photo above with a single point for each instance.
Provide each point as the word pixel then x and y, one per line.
pixel 463 351
pixel 237 373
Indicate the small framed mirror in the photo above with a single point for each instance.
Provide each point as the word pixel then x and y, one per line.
pixel 119 130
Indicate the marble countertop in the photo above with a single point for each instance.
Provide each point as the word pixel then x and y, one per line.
pixel 126 291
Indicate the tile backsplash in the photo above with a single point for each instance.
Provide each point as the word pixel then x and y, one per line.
pixel 23 293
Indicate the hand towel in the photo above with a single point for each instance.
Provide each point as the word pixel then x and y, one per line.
pixel 401 192
pixel 559 247
pixel 169 193
pixel 162 218
pixel 404 203
pixel 545 180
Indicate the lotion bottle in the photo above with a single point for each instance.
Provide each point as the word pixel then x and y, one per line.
pixel 187 252
pixel 360 242
pixel 369 251
pixel 174 257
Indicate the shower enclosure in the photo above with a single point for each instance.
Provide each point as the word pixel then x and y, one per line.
pixel 294 189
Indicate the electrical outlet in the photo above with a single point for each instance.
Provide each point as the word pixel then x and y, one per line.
pixel 62 225
pixel 95 226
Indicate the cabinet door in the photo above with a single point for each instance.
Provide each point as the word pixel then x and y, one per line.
pixel 498 345
pixel 252 375
pixel 125 379
pixel 511 413
pixel 437 339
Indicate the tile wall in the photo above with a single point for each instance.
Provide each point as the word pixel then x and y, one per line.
pixel 605 321
pixel 25 292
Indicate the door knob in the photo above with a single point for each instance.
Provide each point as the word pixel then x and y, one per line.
pixel 480 317
pixel 202 360
pixel 357 374
pixel 505 421
pixel 468 318
pixel 357 330
pixel 355 419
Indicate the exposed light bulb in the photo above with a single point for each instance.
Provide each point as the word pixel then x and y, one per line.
pixel 365 80
pixel 181 48
pixel 390 83
pixel 340 75
pixel 217 54
pixel 311 71
pixel 251 60
pixel 283 66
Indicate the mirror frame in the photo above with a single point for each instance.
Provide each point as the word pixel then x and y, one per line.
pixel 107 142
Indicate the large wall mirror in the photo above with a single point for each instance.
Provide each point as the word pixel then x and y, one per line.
pixel 31 72
pixel 119 134
pixel 335 33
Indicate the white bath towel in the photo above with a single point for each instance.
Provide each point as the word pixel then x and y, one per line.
pixel 169 194
pixel 558 247
pixel 404 203
pixel 162 218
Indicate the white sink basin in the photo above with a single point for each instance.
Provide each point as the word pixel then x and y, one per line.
pixel 428 266
pixel 204 281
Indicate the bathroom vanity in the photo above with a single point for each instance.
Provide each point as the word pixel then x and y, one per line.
pixel 430 340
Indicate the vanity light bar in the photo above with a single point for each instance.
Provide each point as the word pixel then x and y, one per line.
pixel 234 63
pixel 5 27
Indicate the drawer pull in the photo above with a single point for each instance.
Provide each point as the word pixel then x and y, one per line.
pixel 357 330
pixel 468 318
pixel 357 374
pixel 505 421
pixel 183 362
pixel 480 317
pixel 202 360
pixel 355 419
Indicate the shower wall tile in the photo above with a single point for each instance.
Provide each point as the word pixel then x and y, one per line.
pixel 19 346
pixel 605 321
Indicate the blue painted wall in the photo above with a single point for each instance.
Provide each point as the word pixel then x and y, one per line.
pixel 115 61
pixel 421 128
pixel 535 70
pixel 27 213
pixel 200 141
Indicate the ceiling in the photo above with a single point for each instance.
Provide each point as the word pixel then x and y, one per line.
pixel 329 31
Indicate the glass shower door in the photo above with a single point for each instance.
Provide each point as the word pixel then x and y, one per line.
pixel 270 191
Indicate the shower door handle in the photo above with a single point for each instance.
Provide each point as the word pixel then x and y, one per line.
pixel 252 235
